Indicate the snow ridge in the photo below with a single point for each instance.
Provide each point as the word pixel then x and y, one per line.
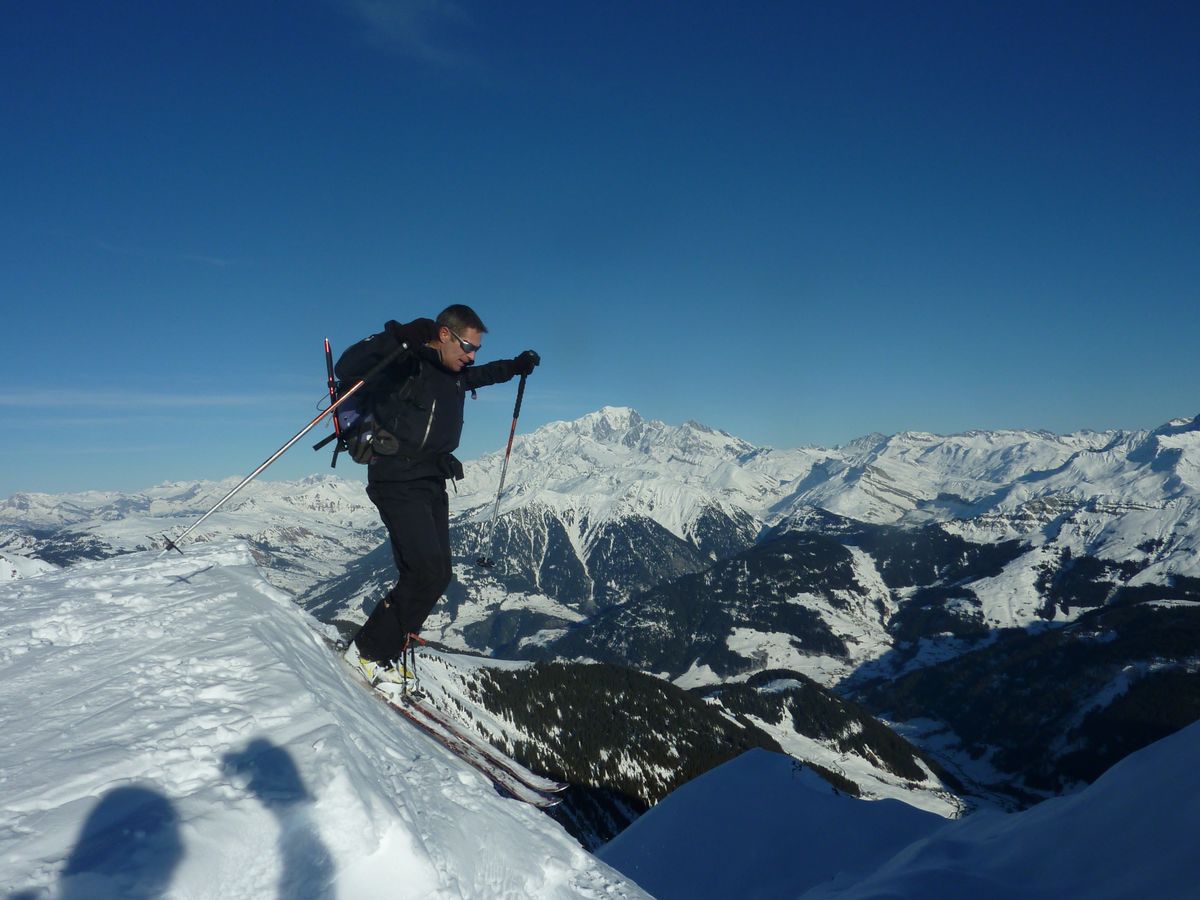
pixel 192 731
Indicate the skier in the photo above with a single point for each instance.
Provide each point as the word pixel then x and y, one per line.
pixel 418 407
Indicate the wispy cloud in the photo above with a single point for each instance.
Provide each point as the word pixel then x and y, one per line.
pixel 73 450
pixel 134 401
pixel 416 28
pixel 214 261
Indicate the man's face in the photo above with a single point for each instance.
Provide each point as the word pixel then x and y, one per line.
pixel 456 356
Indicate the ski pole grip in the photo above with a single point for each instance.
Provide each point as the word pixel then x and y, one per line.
pixel 520 397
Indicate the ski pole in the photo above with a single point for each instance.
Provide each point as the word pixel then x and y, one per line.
pixel 486 561
pixel 169 544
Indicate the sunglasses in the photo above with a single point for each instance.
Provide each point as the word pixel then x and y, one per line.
pixel 467 346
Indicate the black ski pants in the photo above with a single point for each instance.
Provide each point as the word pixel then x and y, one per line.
pixel 417 517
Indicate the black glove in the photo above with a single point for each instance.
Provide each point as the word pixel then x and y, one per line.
pixel 415 333
pixel 523 364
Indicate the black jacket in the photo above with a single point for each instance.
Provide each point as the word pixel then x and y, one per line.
pixel 418 401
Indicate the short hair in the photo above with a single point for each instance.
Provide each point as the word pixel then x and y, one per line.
pixel 460 317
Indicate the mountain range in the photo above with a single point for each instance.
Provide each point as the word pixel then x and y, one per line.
pixel 1008 600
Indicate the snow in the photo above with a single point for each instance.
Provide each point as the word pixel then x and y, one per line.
pixel 178 723
pixel 758 827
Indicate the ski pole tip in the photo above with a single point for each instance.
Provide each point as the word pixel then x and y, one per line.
pixel 169 545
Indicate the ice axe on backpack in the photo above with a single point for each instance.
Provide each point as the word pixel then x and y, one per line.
pixel 402 349
pixel 485 560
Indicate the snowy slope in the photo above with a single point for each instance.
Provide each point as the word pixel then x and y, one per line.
pixel 177 722
pixel 757 827
pixel 1131 834
pixel 760 826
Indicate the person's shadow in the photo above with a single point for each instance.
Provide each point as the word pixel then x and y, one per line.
pixel 129 848
pixel 270 774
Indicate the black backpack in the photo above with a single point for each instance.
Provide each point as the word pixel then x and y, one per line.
pixel 356 428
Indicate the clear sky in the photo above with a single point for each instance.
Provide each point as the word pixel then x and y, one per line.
pixel 798 222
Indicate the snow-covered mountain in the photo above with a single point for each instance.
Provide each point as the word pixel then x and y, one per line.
pixel 599 508
pixel 614 462
pixel 302 532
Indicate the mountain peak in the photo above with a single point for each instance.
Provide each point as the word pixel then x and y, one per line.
pixel 622 427
pixel 610 419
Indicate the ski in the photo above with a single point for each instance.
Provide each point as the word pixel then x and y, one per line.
pixel 505 774
pixel 537 782
pixel 465 750
pixel 332 385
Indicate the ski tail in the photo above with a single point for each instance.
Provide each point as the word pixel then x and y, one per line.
pixel 540 783
pixel 458 744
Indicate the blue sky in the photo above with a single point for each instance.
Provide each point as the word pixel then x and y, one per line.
pixel 798 222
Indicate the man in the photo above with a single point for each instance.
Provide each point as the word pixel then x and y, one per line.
pixel 418 406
